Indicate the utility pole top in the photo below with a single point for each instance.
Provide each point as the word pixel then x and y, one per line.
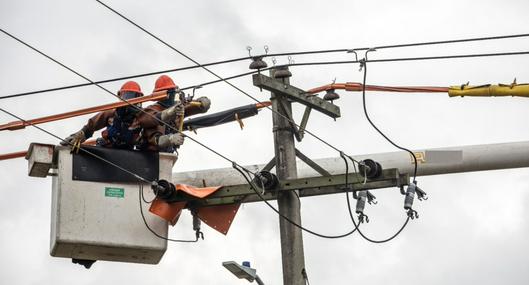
pixel 293 93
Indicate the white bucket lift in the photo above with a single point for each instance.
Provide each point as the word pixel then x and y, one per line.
pixel 100 220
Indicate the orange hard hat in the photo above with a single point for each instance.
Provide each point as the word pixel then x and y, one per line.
pixel 130 86
pixel 164 82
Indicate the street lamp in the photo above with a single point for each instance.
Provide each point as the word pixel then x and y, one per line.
pixel 243 271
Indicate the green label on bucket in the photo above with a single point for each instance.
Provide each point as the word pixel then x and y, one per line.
pixel 114 192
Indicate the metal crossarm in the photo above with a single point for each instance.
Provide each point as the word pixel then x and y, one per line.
pixel 296 94
pixel 311 186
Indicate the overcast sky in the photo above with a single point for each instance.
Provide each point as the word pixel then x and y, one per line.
pixel 474 227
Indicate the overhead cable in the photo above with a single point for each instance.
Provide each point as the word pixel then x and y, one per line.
pixel 119 98
pixel 265 69
pixel 215 74
pixel 266 55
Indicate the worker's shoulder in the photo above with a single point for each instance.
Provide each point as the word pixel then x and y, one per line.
pixel 154 107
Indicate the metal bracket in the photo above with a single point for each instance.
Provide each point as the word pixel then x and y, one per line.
pixel 312 164
pixel 304 122
pixel 271 164
pixel 296 94
pixel 288 113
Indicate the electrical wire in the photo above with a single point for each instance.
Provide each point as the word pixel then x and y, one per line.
pixel 403 45
pixel 264 69
pixel 357 226
pixel 116 96
pixel 27 93
pixel 254 188
pixel 409 58
pixel 213 73
pixel 151 230
pixel 364 66
pixel 377 241
pixel 143 195
pixel 266 55
pixel 81 149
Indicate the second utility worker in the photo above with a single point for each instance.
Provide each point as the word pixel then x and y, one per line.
pixel 128 127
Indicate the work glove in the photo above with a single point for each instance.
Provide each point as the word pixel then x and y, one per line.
pixel 205 102
pixel 172 113
pixel 74 139
pixel 171 140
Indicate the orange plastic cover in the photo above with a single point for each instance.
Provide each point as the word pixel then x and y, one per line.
pixel 195 191
pixel 218 217
pixel 167 211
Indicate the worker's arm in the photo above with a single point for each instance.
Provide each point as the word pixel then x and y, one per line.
pixel 97 122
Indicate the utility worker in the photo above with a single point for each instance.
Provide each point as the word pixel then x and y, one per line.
pixel 122 130
pixel 157 136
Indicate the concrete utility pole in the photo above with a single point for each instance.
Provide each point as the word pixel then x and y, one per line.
pixel 289 204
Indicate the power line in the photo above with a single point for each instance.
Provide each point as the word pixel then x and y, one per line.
pixel 264 69
pixel 81 149
pixel 214 74
pixel 122 78
pixel 315 63
pixel 118 97
pixel 403 45
pixel 266 55
pixel 364 66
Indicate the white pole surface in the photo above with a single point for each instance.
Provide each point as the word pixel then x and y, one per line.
pixel 430 162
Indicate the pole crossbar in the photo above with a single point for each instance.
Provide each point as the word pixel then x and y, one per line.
pixel 310 186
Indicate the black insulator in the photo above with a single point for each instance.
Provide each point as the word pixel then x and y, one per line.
pixel 164 190
pixel 258 63
pixel 282 73
pixel 370 168
pixel 267 180
pixel 331 95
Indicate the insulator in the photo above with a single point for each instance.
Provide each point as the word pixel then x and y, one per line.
pixel 370 168
pixel 361 202
pixel 331 95
pixel 164 190
pixel 282 73
pixel 410 194
pixel 258 63
pixel 267 179
pixel 196 223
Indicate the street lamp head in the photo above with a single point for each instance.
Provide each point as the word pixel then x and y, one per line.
pixel 241 271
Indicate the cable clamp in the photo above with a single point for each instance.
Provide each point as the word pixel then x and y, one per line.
pixel 412 214
pixel 363 218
